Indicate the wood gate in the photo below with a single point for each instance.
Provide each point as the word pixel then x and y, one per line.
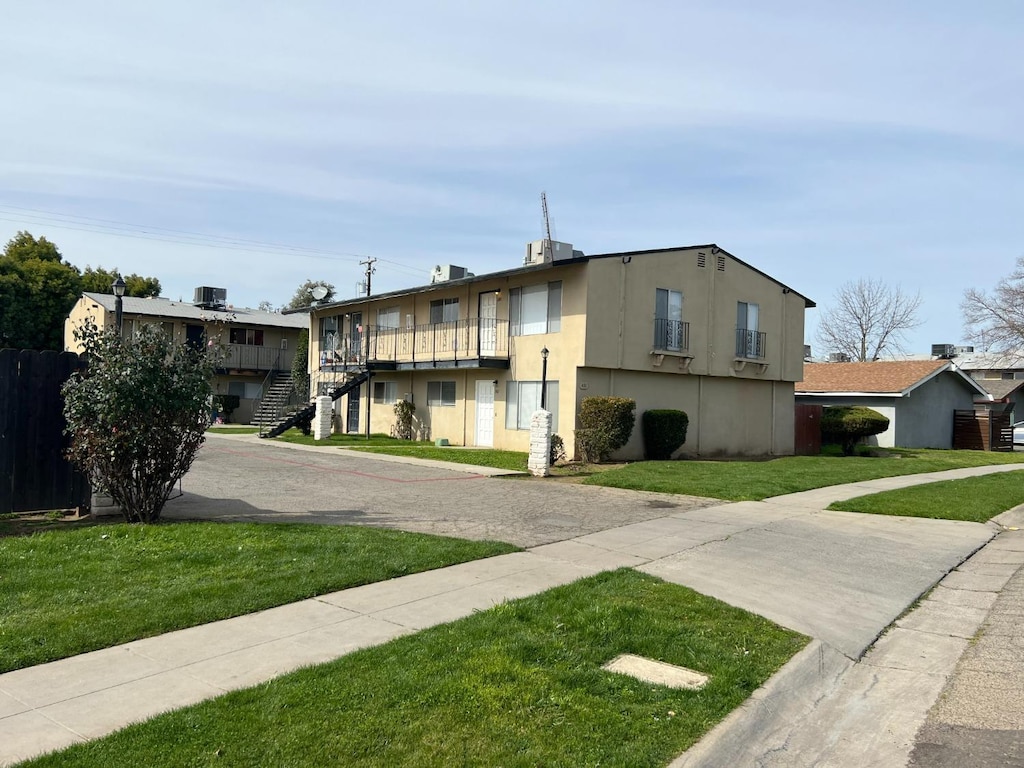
pixel 34 473
pixel 807 437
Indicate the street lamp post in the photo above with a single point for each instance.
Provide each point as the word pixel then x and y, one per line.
pixel 544 379
pixel 118 287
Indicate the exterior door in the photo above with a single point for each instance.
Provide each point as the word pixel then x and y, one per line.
pixel 485 413
pixel 488 328
pixel 352 423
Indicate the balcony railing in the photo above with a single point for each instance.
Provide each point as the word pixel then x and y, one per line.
pixel 671 335
pixel 750 344
pixel 249 357
pixel 454 341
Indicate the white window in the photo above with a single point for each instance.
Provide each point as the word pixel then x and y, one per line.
pixel 522 398
pixel 536 309
pixel 388 318
pixel 669 331
pixel 444 311
pixel 749 343
pixel 385 392
pixel 441 393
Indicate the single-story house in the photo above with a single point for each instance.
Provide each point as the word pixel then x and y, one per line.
pixel 917 396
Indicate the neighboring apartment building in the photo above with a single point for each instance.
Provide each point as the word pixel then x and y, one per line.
pixel 692 328
pixel 260 346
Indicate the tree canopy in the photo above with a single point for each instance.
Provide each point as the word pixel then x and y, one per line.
pixel 995 321
pixel 37 290
pixel 304 294
pixel 868 319
pixel 99 280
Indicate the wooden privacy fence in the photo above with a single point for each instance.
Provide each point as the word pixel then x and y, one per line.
pixel 34 473
pixel 982 431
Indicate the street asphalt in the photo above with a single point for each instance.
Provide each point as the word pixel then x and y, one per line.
pixel 858 695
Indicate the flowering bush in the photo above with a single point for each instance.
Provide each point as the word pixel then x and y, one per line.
pixel 137 414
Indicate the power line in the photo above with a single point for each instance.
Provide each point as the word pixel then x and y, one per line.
pixel 114 228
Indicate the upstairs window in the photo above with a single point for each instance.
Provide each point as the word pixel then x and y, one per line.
pixel 669 330
pixel 388 318
pixel 444 311
pixel 536 309
pixel 250 336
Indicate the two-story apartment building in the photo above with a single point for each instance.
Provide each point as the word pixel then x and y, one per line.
pixel 692 328
pixel 260 346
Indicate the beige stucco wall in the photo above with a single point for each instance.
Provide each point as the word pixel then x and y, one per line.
pixel 728 416
pixel 621 307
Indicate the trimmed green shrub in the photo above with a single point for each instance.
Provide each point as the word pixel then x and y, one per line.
pixel 605 426
pixel 664 430
pixel 846 425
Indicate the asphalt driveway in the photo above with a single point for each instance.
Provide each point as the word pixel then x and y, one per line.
pixel 245 478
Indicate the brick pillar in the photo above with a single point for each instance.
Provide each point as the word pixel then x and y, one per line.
pixel 322 420
pixel 540 443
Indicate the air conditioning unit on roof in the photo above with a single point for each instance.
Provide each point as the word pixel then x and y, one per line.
pixel 838 357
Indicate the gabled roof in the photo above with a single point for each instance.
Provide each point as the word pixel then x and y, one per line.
pixel 896 378
pixel 1000 388
pixel 160 307
pixel 578 257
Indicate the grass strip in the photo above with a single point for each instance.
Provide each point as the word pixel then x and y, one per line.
pixel 481 457
pixel 756 480
pixel 67 592
pixel 974 499
pixel 517 685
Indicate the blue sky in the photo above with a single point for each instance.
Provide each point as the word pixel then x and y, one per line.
pixel 820 142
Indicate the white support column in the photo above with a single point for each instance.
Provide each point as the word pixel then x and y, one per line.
pixel 540 443
pixel 322 420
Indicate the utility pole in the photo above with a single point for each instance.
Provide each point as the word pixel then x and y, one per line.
pixel 370 269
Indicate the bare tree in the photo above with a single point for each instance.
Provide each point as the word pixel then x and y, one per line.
pixel 868 319
pixel 995 321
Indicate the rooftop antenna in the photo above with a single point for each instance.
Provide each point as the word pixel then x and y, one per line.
pixel 547 225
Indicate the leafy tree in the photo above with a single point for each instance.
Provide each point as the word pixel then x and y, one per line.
pixel 868 319
pixel 304 294
pixel 99 280
pixel 37 290
pixel 995 321
pixel 265 306
pixel 300 363
pixel 138 414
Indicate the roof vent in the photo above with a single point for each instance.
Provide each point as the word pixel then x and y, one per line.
pixel 943 351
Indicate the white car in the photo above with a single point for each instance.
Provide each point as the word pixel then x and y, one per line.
pixel 1018 433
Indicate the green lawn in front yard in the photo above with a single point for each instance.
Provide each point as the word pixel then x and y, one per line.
pixel 520 684
pixel 975 499
pixel 64 592
pixel 420 449
pixel 755 480
pixel 233 430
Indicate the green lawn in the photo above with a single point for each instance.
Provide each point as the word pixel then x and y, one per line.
pixel 420 449
pixel 976 499
pixel 233 430
pixel 482 457
pixel 518 685
pixel 755 480
pixel 70 591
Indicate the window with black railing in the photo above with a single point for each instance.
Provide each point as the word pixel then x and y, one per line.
pixel 750 344
pixel 671 335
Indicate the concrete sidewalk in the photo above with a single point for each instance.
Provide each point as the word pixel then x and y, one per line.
pixel 840 577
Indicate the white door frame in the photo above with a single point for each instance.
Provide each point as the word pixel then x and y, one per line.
pixel 484 413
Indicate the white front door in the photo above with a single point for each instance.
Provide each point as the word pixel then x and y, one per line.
pixel 488 326
pixel 485 413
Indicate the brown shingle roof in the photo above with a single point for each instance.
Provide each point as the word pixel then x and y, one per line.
pixel 892 376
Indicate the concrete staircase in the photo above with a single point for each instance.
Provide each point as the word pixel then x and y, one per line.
pixel 272 405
